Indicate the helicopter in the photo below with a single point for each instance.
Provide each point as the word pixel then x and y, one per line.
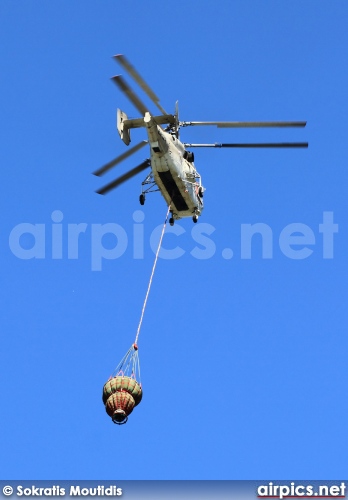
pixel 172 168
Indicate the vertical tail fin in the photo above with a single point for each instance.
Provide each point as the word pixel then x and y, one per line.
pixel 122 129
pixel 176 117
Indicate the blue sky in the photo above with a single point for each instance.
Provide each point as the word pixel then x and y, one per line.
pixel 243 360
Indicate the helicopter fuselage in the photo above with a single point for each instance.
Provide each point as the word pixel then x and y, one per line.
pixel 173 172
pixel 175 176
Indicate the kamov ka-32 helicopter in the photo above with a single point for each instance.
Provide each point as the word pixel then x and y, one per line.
pixel 173 172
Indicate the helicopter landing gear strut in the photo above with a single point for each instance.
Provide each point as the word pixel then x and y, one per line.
pixel 195 215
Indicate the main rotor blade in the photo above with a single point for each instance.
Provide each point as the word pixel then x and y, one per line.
pixel 105 168
pixel 245 124
pixel 140 81
pixel 251 145
pixel 124 178
pixel 130 94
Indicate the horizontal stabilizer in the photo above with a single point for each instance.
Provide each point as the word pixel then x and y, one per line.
pixel 139 122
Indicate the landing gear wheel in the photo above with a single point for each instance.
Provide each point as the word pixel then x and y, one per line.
pixel 142 199
pixel 195 218
pixel 200 192
pixel 171 221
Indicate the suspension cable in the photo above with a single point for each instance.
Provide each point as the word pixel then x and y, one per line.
pixel 151 277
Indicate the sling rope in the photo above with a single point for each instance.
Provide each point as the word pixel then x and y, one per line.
pixel 151 277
